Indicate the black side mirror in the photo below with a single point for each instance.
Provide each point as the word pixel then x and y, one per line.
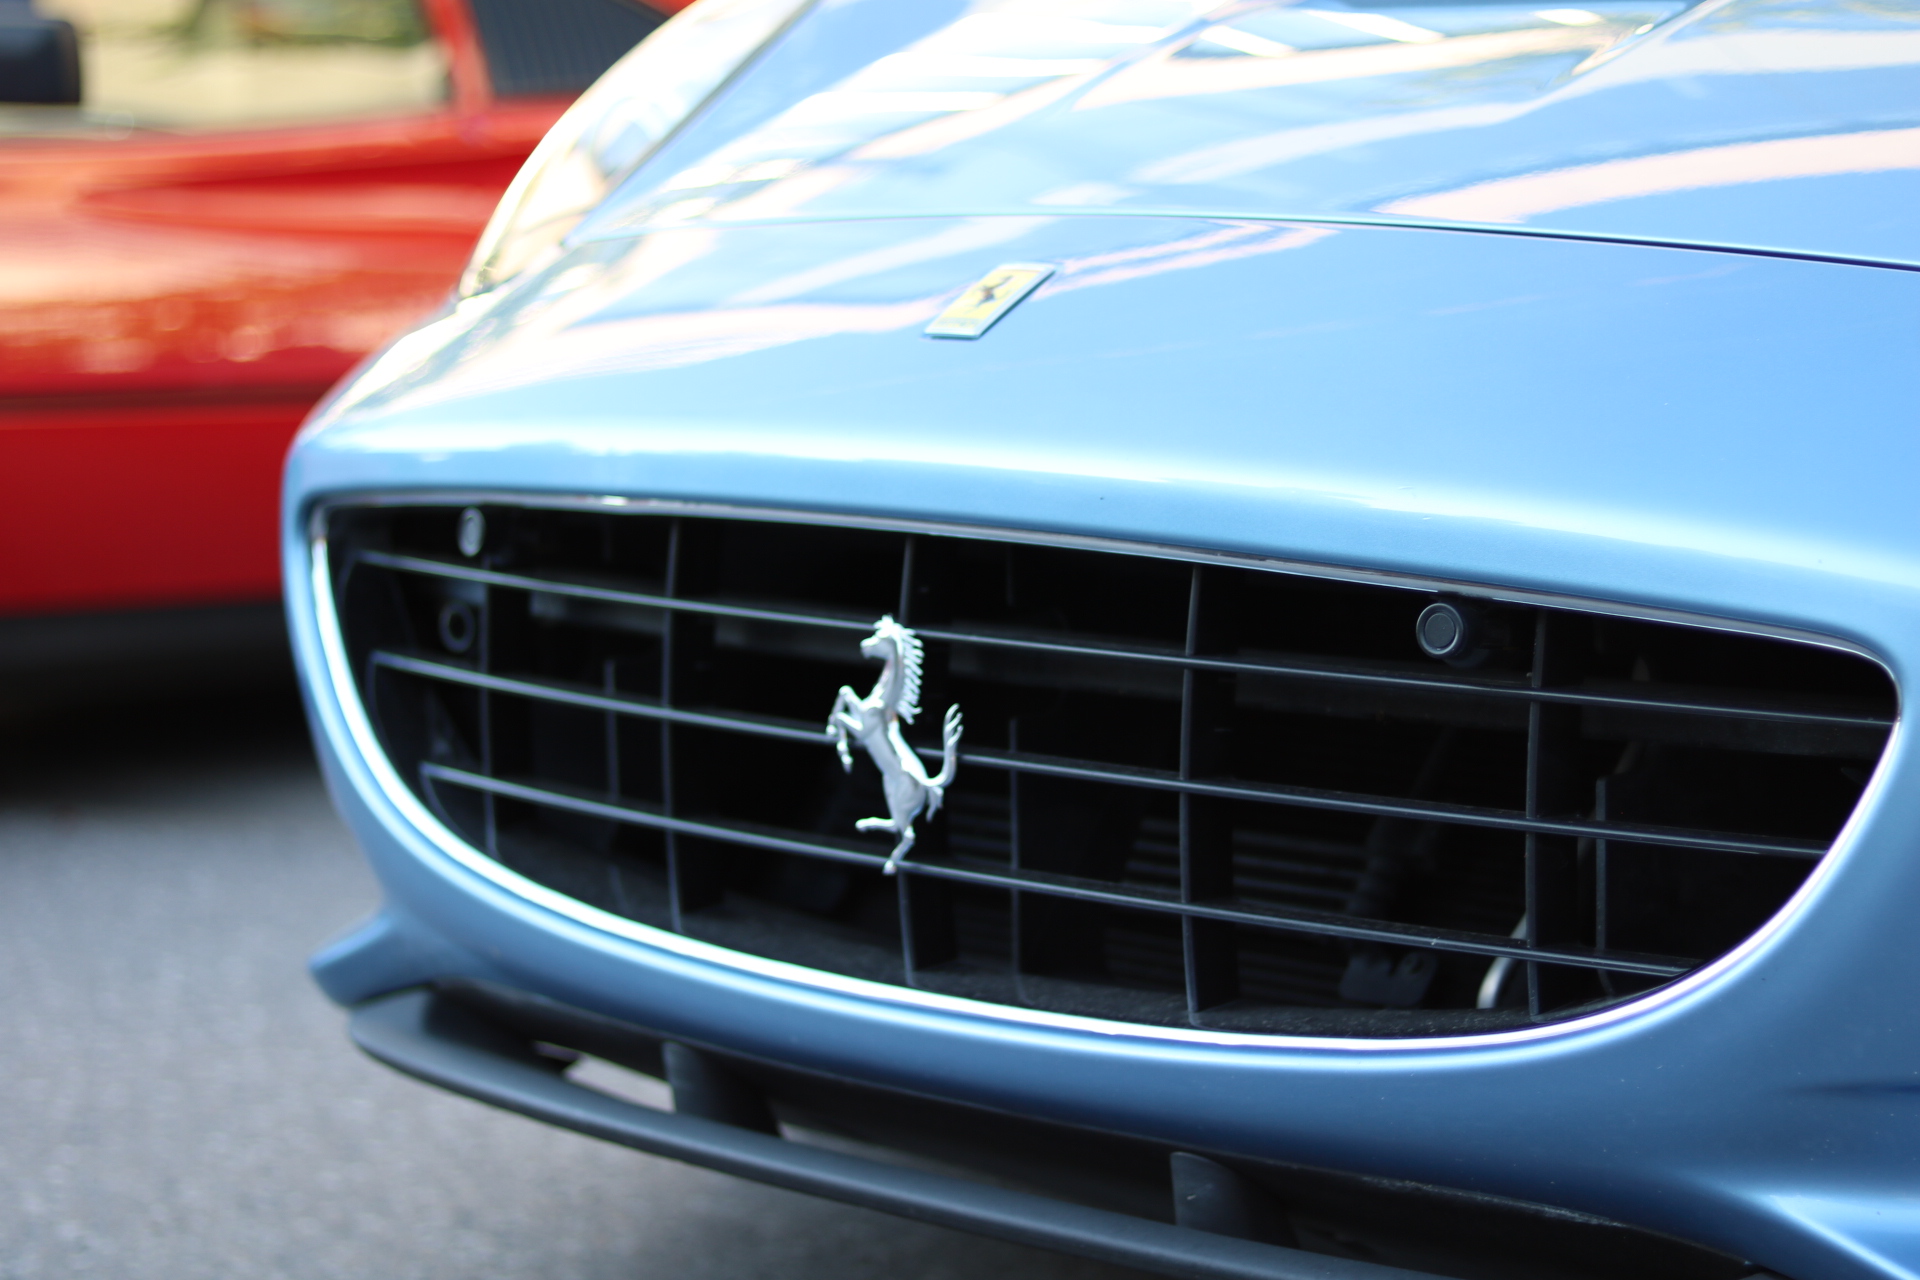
pixel 39 57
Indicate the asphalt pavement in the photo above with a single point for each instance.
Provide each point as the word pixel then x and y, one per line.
pixel 177 1100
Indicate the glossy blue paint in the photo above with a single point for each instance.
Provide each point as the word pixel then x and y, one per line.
pixel 1767 123
pixel 1727 433
pixel 1671 427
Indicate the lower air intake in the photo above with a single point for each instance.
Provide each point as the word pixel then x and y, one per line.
pixel 1189 792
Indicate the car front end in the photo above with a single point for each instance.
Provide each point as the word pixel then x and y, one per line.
pixel 1424 615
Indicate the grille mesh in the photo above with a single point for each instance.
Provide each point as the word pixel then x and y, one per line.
pixel 1189 793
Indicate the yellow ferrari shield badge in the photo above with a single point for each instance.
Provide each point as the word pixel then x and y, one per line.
pixel 991 297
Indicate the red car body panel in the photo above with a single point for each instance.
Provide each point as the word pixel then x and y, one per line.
pixel 172 304
pixel 170 308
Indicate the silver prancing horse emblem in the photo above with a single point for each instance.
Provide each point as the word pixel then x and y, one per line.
pixel 874 722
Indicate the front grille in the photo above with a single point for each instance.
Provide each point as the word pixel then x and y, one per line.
pixel 1189 793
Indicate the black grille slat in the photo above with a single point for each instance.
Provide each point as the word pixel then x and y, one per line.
pixel 1066 887
pixel 1189 792
pixel 1517 691
pixel 1205 835
pixel 1554 789
pixel 1124 775
pixel 612 703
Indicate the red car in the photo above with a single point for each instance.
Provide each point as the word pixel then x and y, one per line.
pixel 209 211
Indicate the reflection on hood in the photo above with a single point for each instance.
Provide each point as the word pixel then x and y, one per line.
pixel 1762 123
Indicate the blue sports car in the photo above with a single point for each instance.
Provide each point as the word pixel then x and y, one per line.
pixel 1251 639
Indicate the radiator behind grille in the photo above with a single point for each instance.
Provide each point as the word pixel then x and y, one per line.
pixel 1190 793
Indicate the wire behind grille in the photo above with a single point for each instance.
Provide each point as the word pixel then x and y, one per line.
pixel 1189 793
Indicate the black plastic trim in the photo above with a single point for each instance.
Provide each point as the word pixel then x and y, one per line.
pixel 1324 924
pixel 1125 775
pixel 1619 699
pixel 431 1038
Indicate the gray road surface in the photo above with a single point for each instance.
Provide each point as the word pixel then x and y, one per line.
pixel 177 1100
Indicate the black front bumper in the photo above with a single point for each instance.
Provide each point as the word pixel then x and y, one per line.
pixel 497 1047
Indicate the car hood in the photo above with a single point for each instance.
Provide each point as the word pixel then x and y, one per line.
pixel 1729 434
pixel 1786 125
